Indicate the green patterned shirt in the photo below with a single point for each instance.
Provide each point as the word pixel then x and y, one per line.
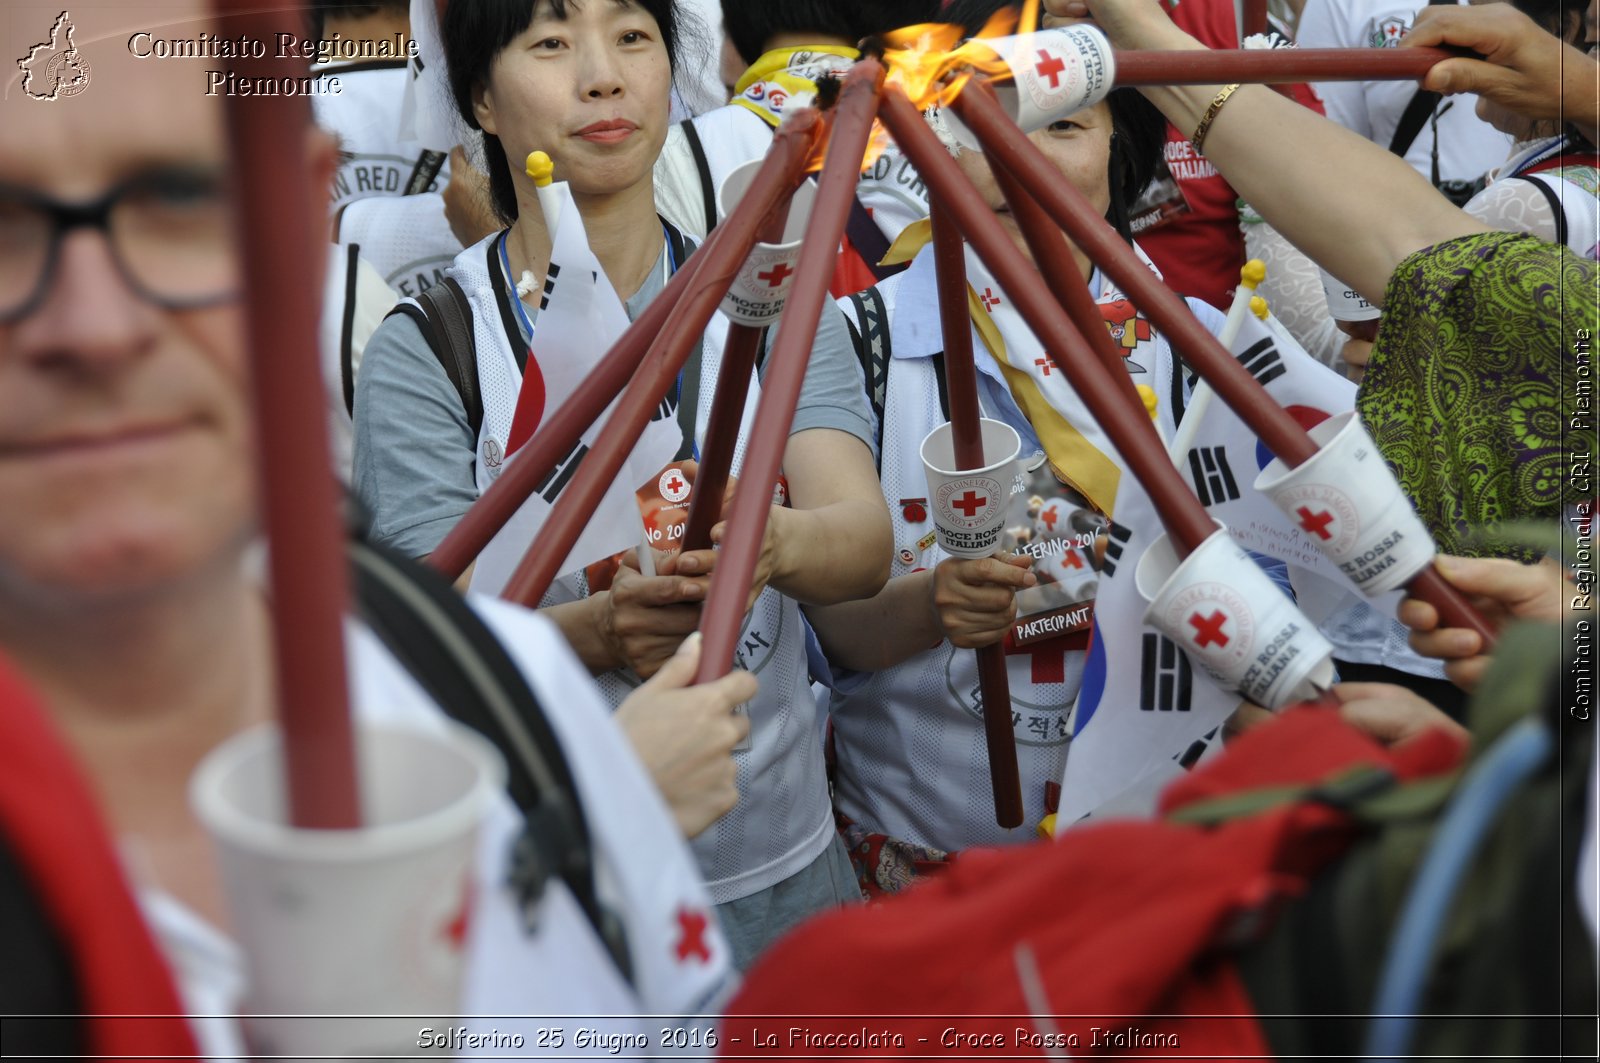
pixel 1481 388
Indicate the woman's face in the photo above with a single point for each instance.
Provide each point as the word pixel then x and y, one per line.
pixel 1079 146
pixel 591 90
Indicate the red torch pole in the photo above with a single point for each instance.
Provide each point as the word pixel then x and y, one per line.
pixel 735 572
pixel 556 437
pixel 727 411
pixel 1282 434
pixel 774 184
pixel 308 575
pixel 1127 424
pixel 993 685
pixel 1276 65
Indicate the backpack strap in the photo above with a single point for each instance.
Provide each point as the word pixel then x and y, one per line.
pixel 869 333
pixel 708 194
pixel 1416 112
pixel 347 368
pixel 869 241
pixel 445 318
pixel 454 656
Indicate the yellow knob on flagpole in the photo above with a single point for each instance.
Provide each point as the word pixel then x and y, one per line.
pixel 1047 826
pixel 1151 401
pixel 540 168
pixel 1258 307
pixel 1253 273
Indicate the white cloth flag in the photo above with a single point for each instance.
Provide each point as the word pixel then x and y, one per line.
pixel 1145 711
pixel 580 320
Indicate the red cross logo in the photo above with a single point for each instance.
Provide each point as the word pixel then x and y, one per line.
pixel 1050 66
pixel 1072 560
pixel 1049 516
pixel 970 503
pixel 1208 630
pixel 989 299
pixel 675 485
pixel 1044 364
pixel 1316 523
pixel 776 275
pixel 455 931
pixel 692 942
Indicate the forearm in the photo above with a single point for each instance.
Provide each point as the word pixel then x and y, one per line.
pixel 883 631
pixel 1354 208
pixel 836 553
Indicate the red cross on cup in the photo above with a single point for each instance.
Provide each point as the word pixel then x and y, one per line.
pixel 776 275
pixel 1208 630
pixel 1050 66
pixel 1316 523
pixel 970 503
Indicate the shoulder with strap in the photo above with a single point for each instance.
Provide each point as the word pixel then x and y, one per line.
pixel 444 316
pixel 459 661
pixel 702 165
pixel 1417 111
pixel 868 321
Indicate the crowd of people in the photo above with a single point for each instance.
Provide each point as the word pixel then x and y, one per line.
pixel 844 759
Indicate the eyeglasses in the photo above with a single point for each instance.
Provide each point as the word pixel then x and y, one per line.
pixel 170 234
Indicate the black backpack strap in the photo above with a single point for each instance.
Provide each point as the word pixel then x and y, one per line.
pixel 445 318
pixel 869 332
pixel 1416 112
pixel 347 368
pixel 454 656
pixel 708 194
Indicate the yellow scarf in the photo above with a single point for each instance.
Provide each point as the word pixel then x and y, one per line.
pixel 787 72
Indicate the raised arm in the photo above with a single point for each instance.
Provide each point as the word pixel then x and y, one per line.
pixel 1316 183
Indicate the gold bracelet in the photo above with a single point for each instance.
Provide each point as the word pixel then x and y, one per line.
pixel 1204 127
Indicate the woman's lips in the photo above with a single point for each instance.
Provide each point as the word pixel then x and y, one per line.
pixel 610 132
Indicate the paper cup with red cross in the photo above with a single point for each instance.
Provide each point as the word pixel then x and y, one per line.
pixel 1352 508
pixel 1234 621
pixel 757 294
pixel 970 505
pixel 340 925
pixel 1053 73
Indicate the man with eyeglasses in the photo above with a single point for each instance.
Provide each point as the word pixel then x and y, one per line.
pixel 127 507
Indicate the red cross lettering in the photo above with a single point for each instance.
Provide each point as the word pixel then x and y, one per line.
pixel 776 275
pixel 1044 364
pixel 1049 516
pixel 675 485
pixel 970 503
pixel 1050 66
pixel 1208 630
pixel 1316 523
pixel 989 299
pixel 692 942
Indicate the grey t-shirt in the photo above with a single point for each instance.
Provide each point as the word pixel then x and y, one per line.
pixel 415 451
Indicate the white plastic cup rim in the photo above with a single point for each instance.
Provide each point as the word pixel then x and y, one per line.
pixel 228 822
pixel 997 435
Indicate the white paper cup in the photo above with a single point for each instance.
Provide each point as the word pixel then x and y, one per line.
pixel 1344 302
pixel 1234 621
pixel 970 505
pixel 1352 508
pixel 758 293
pixel 363 923
pixel 1053 73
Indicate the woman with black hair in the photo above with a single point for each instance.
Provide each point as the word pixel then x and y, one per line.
pixel 587 82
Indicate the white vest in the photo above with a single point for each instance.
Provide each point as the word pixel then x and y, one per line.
pixel 783 820
pixel 910 756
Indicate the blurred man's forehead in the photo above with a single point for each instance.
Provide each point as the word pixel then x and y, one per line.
pixel 80 110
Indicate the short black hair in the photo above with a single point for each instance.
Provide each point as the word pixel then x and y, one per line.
pixel 750 24
pixel 475 32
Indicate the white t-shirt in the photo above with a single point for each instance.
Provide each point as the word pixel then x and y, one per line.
pixel 1468 147
pixel 644 873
